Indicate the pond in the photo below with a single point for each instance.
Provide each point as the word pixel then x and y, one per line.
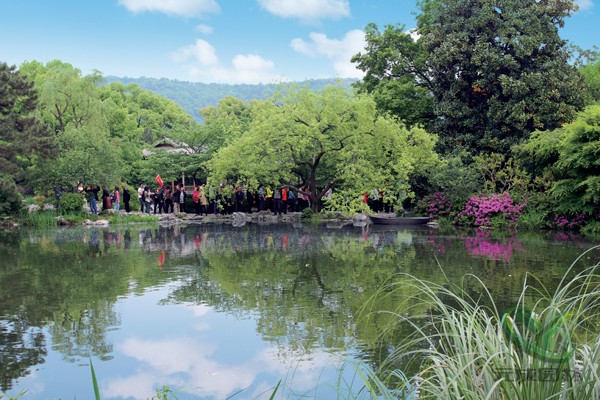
pixel 213 311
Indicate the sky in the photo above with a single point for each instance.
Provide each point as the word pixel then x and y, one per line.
pixel 215 41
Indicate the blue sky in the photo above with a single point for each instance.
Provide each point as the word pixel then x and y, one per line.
pixel 224 41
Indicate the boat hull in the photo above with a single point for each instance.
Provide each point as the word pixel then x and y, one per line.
pixel 399 220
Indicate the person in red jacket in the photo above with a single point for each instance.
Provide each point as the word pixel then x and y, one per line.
pixel 284 199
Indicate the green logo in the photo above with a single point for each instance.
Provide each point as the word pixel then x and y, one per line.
pixel 547 340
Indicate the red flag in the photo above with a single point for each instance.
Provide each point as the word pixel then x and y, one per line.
pixel 159 180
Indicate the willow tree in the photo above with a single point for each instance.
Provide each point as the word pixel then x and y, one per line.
pixel 322 140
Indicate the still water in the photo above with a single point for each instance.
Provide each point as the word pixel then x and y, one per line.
pixel 214 311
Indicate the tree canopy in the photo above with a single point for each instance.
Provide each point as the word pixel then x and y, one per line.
pixel 329 139
pixel 571 155
pixel 497 70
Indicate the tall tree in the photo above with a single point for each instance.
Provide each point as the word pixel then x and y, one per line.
pixel 396 74
pixel 66 96
pixel 329 139
pixel 23 138
pixel 497 70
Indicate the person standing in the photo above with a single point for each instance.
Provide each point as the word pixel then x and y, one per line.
pixel 140 192
pixel 284 200
pixel 269 197
pixel 261 198
pixel 92 198
pixel 176 193
pixel 126 199
pixel 249 200
pixel 168 200
pixel 117 199
pixel 276 202
pixel 239 199
pixel 182 199
pixel 196 199
pixel 292 201
pixel 147 198
pixel 203 201
pixel 106 203
pixel 158 198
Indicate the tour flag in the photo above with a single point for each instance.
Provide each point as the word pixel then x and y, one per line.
pixel 159 180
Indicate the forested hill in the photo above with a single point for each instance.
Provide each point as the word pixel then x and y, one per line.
pixel 193 96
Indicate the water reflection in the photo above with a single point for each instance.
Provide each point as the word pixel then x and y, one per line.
pixel 212 309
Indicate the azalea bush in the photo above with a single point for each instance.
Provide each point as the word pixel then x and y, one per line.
pixel 495 210
pixel 436 205
pixel 569 222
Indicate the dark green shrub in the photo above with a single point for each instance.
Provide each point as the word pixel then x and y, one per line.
pixel 307 213
pixel 71 202
pixel 10 198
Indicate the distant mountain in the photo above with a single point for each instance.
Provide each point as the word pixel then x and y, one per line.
pixel 193 96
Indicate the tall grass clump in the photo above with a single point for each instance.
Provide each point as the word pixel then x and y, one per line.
pixel 117 218
pixel 466 346
pixel 40 219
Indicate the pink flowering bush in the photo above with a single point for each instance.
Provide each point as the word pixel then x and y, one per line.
pixel 569 222
pixel 435 205
pixel 490 210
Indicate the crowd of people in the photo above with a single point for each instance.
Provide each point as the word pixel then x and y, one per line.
pixel 224 199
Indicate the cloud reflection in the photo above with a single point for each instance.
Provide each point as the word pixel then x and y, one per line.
pixel 193 365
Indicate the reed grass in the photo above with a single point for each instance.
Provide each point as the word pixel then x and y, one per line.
pixel 466 347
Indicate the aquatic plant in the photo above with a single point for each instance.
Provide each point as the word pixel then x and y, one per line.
pixel 469 348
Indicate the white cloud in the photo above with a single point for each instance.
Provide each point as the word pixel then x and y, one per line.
pixel 585 5
pixel 207 30
pixel 307 10
pixel 193 364
pixel 202 64
pixel 338 51
pixel 201 51
pixel 184 8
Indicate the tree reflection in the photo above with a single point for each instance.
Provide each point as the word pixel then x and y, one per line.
pixel 306 286
pixel 65 283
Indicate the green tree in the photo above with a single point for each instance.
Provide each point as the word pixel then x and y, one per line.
pixel 497 70
pixel 591 75
pixel 396 74
pixel 571 157
pixel 87 155
pixel 24 140
pixel 329 139
pixel 66 96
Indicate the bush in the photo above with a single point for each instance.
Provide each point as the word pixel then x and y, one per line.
pixel 533 218
pixel 497 210
pixel 435 206
pixel 39 200
pixel 569 221
pixel 10 198
pixel 307 213
pixel 592 229
pixel 71 202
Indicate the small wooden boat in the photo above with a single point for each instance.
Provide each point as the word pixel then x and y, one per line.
pixel 399 220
